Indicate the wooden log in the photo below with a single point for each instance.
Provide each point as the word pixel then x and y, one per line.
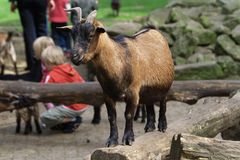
pixel 205 120
pixel 190 147
pixel 91 92
pixel 232 133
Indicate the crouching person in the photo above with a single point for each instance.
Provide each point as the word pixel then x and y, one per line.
pixel 61 117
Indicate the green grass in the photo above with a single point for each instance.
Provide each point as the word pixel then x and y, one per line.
pixel 8 18
pixel 129 10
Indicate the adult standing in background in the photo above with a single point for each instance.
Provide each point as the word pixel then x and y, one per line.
pixel 59 18
pixel 34 23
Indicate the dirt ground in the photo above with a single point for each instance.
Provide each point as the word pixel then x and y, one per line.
pixel 76 146
pixel 55 145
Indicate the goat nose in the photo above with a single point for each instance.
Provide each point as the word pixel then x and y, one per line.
pixel 75 57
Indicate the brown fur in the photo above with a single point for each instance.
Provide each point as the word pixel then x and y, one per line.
pixel 139 69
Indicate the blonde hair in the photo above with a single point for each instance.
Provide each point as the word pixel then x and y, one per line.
pixel 53 55
pixel 40 44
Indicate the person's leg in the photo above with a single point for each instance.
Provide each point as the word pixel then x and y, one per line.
pixel 40 17
pixel 28 33
pixel 51 117
pixel 58 40
pixel 59 115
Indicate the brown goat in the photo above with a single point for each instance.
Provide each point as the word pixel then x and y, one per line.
pixel 137 69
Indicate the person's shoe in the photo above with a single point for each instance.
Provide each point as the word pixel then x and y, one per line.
pixel 72 126
pixel 58 127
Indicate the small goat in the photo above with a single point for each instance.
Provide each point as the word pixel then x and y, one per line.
pixel 115 4
pixel 7 50
pixel 26 115
pixel 136 69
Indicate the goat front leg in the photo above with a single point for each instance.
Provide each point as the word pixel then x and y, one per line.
pixel 132 104
pixel 150 125
pixel 162 120
pixel 112 117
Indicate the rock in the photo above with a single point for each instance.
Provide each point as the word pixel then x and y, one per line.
pixel 236 34
pixel 184 46
pixel 158 17
pixel 226 45
pixel 230 5
pixel 206 70
pixel 174 29
pixel 214 22
pixel 176 14
pixel 231 21
pixel 125 28
pixel 190 3
pixel 229 67
pixel 179 60
pixel 202 36
pixel 202 55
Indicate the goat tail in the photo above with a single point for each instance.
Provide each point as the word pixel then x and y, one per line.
pixel 9 38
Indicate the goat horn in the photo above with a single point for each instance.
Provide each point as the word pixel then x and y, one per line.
pixel 65 27
pixel 91 16
pixel 78 10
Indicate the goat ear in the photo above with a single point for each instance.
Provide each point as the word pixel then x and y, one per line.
pixel 90 18
pixel 100 30
pixel 65 28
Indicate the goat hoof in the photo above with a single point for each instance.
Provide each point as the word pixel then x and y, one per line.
pixel 96 121
pixel 162 126
pixel 128 139
pixel 149 127
pixel 111 142
pixel 39 132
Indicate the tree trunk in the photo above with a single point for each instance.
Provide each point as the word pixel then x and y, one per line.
pixel 91 92
pixel 205 120
pixel 190 147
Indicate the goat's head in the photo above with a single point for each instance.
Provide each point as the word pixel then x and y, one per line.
pixel 85 35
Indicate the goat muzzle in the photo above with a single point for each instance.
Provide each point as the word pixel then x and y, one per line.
pixel 76 59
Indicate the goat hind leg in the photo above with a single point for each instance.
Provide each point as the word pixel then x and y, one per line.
pixel 162 120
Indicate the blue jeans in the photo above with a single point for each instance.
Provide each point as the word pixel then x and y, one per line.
pixel 60 37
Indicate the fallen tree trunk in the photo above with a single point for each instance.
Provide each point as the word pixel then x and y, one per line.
pixel 205 120
pixel 91 92
pixel 185 146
